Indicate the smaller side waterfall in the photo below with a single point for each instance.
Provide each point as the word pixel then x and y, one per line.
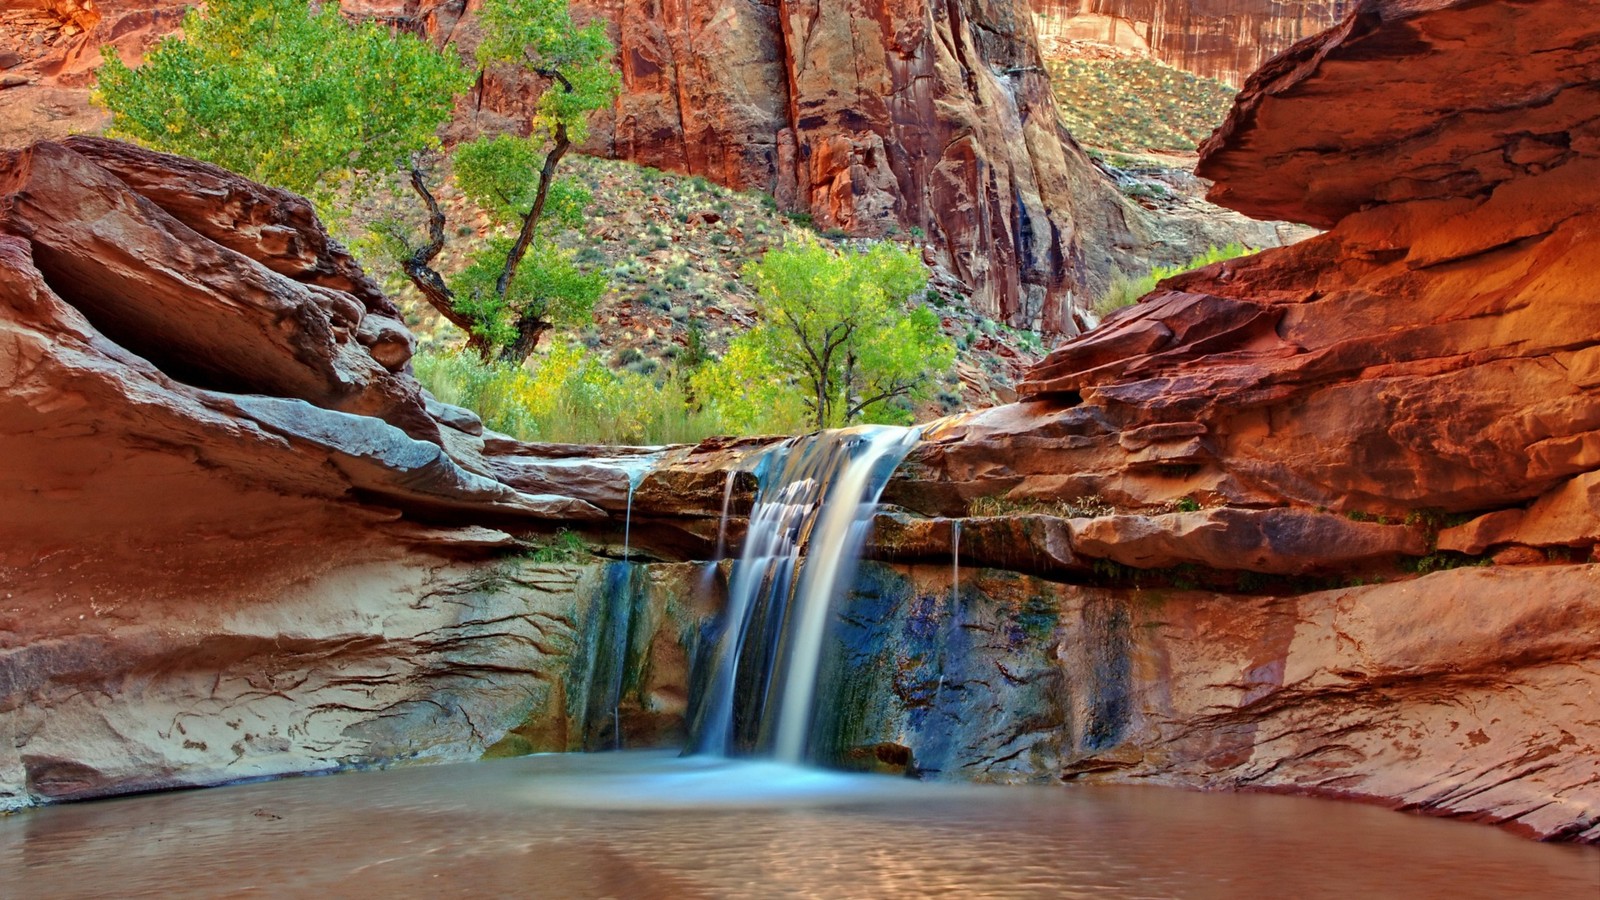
pixel 816 500
pixel 955 562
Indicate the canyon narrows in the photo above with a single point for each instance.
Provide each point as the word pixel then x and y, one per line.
pixel 1204 550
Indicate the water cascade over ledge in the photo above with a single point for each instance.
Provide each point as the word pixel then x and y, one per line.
pixel 817 497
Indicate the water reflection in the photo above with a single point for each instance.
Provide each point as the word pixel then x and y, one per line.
pixel 636 825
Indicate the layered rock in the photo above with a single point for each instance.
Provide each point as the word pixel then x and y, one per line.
pixel 1429 353
pixel 1414 695
pixel 1225 40
pixel 1416 383
pixel 239 540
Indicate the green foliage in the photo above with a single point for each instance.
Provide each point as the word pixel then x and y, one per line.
pixel 836 324
pixel 547 286
pixel 1089 506
pixel 570 395
pixel 501 175
pixel 564 547
pixel 1126 290
pixel 540 35
pixel 748 392
pixel 288 94
pixel 1441 560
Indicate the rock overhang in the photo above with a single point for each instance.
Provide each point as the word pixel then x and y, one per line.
pixel 1409 100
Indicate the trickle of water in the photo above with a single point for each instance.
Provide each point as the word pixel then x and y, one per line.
pixel 955 563
pixel 627 521
pixel 722 524
pixel 817 497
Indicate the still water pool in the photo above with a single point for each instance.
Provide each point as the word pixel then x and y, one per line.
pixel 650 825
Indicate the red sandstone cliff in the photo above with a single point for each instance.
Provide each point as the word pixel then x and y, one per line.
pixel 891 118
pixel 1221 39
pixel 908 118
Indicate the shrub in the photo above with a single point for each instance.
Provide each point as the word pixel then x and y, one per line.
pixel 569 395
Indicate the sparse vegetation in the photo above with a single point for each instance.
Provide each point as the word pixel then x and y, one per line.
pixel 1439 561
pixel 1089 506
pixel 563 547
pixel 1126 290
pixel 1134 105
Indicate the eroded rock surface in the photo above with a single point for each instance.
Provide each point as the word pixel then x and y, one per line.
pixel 1412 390
pixel 238 538
pixel 1469 694
pixel 1429 355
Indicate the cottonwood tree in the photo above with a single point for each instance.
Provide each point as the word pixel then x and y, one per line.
pixel 294 95
pixel 515 289
pixel 839 327
pixel 285 93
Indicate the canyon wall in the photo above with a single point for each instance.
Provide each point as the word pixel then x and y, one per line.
pixel 907 118
pixel 1309 429
pixel 1221 39
pixel 912 118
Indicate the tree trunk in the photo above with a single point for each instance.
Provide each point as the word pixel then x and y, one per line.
pixel 418 267
pixel 531 326
pixel 529 331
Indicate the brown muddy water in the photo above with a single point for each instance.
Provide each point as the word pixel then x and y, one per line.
pixel 649 825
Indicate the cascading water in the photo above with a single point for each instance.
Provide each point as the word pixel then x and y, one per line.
pixel 816 500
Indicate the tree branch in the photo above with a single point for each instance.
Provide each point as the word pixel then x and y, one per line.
pixel 531 326
pixel 418 266
pixel 899 391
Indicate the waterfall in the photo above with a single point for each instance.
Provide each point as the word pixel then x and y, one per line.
pixel 815 504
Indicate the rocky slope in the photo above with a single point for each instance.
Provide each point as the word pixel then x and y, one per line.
pixel 1222 39
pixel 876 119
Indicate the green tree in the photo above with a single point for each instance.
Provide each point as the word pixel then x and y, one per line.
pixel 286 93
pixel 515 180
pixel 292 94
pixel 839 327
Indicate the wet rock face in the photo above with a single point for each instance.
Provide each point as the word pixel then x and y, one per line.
pixel 271 659
pixel 1221 39
pixel 1412 695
